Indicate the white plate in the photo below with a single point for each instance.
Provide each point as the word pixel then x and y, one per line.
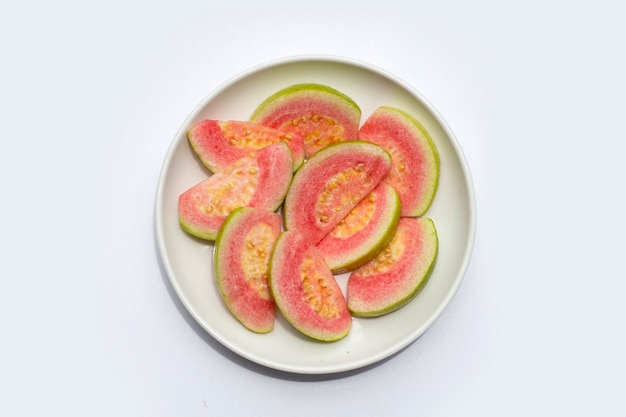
pixel 188 261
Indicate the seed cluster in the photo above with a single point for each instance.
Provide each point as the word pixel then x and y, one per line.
pixel 240 136
pixel 228 192
pixel 357 219
pixel 399 165
pixel 255 257
pixel 317 293
pixel 386 259
pixel 339 193
pixel 317 131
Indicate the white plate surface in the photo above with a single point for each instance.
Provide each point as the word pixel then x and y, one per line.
pixel 188 261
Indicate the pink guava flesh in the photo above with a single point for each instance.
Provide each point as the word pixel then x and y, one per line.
pixel 415 171
pixel 330 184
pixel 398 273
pixel 305 290
pixel 260 179
pixel 241 258
pixel 220 143
pixel 364 232
pixel 320 114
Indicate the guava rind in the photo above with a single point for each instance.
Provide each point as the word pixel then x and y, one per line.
pixel 219 143
pixel 260 179
pixel 415 172
pixel 305 290
pixel 364 232
pixel 321 114
pixel 353 168
pixel 398 273
pixel 241 259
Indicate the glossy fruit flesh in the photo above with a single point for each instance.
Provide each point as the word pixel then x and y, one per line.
pixel 220 143
pixel 319 113
pixel 242 250
pixel 330 184
pixel 415 172
pixel 398 273
pixel 364 232
pixel 305 289
pixel 260 179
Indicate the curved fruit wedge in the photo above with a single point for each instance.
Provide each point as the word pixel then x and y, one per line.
pixel 220 143
pixel 330 184
pixel 364 232
pixel 242 251
pixel 398 273
pixel 415 172
pixel 260 179
pixel 305 290
pixel 319 113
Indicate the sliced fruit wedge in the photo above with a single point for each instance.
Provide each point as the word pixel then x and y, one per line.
pixel 260 179
pixel 330 184
pixel 364 232
pixel 242 251
pixel 220 143
pixel 415 172
pixel 398 273
pixel 305 290
pixel 321 114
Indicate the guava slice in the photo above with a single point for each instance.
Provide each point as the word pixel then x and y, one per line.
pixel 260 179
pixel 321 114
pixel 364 232
pixel 243 247
pixel 330 184
pixel 415 172
pixel 220 143
pixel 305 290
pixel 397 274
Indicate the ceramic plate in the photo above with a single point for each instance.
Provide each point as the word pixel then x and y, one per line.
pixel 188 261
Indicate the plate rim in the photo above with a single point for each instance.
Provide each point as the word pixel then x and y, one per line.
pixel 468 246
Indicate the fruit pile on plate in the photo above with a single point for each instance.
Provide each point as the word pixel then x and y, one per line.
pixel 302 192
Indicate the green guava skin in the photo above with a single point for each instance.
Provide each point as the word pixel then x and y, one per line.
pixel 263 108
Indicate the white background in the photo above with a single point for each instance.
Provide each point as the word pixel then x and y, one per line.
pixel 92 96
